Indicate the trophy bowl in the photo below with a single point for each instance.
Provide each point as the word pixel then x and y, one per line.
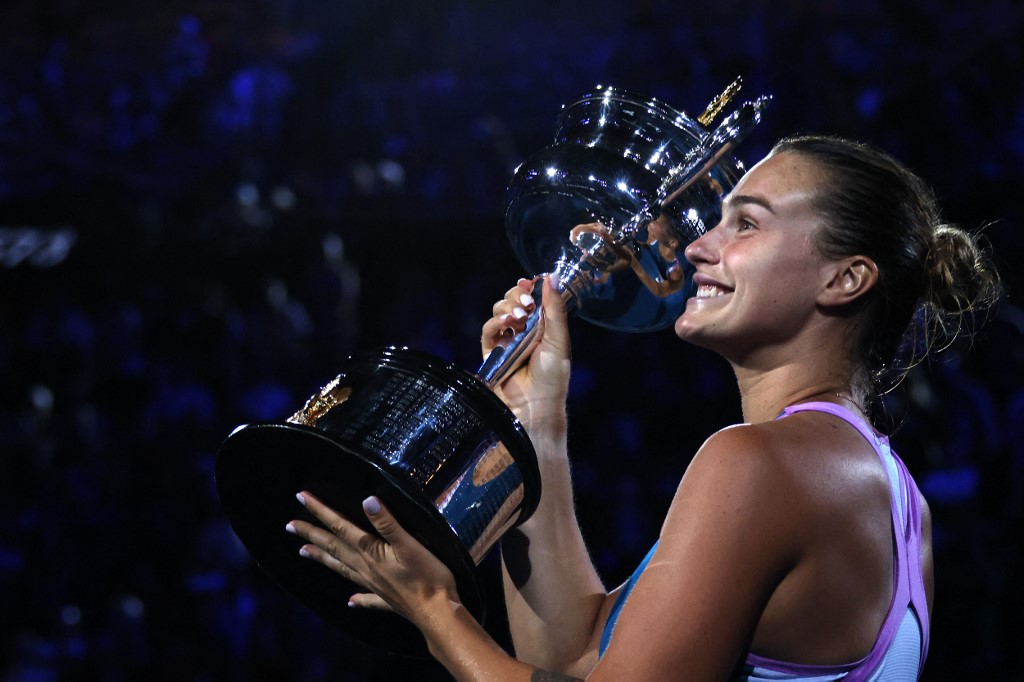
pixel 609 207
pixel 613 151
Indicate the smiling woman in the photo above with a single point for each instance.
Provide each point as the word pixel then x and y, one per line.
pixel 797 546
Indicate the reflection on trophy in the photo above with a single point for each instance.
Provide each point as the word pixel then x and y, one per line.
pixel 609 208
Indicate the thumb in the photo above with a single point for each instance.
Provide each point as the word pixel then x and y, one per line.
pixel 556 326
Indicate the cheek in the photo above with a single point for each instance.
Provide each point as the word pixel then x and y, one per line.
pixel 785 280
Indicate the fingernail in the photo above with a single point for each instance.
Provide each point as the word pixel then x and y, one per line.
pixel 518 313
pixel 526 299
pixel 303 552
pixel 371 505
pixel 291 529
pixel 301 499
pixel 352 604
pixel 554 281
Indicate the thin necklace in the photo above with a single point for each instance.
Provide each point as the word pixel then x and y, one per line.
pixel 836 394
pixel 851 400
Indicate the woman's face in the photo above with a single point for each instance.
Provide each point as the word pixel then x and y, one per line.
pixel 758 271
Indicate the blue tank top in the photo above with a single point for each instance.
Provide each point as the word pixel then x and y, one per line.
pixel 901 647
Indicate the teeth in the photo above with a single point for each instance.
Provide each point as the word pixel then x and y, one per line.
pixel 709 291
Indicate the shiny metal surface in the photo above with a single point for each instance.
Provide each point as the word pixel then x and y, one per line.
pixel 443 453
pixel 612 155
pixel 639 181
pixel 427 421
pixel 485 500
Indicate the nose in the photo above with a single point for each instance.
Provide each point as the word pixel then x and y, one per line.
pixel 704 249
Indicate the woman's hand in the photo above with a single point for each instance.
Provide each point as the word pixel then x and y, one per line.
pixel 409 580
pixel 401 573
pixel 536 393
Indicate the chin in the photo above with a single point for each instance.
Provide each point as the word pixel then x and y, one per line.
pixel 702 336
pixel 686 330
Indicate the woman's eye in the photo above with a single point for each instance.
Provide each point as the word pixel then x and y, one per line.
pixel 745 225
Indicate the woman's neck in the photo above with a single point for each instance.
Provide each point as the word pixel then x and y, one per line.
pixel 764 394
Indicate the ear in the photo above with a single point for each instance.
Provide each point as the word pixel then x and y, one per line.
pixel 846 280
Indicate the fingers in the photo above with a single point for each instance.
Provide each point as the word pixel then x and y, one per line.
pixel 339 545
pixel 516 305
pixel 342 546
pixel 397 571
pixel 514 297
pixel 317 551
pixel 368 600
pixel 386 525
pixel 345 548
pixel 508 315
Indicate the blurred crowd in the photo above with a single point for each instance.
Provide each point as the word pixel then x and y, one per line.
pixel 206 206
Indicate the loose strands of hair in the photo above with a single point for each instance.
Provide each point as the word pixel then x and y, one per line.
pixel 962 288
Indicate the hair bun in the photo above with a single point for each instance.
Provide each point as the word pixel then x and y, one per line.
pixel 962 281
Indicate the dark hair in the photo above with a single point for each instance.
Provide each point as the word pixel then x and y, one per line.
pixel 935 281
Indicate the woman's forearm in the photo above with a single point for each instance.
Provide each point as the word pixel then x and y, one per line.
pixel 465 649
pixel 553 593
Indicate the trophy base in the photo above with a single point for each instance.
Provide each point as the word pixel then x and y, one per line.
pixel 259 471
pixel 436 446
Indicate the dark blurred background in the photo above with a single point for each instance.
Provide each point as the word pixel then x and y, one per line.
pixel 205 206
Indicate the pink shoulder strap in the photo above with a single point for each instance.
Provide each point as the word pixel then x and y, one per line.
pixel 907 571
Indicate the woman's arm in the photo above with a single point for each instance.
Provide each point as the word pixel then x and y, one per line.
pixel 407 578
pixel 728 540
pixel 553 594
pixel 732 534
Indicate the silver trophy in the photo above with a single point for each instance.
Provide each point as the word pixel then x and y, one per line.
pixel 609 207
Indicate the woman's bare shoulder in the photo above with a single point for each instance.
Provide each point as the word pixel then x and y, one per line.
pixel 745 450
pixel 741 478
pixel 784 469
pixel 805 475
pixel 797 450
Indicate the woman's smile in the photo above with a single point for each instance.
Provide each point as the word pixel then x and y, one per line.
pixel 710 291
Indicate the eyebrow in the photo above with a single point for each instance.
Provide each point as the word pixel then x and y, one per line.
pixel 740 199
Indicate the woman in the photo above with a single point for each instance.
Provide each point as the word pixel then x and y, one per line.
pixel 796 546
